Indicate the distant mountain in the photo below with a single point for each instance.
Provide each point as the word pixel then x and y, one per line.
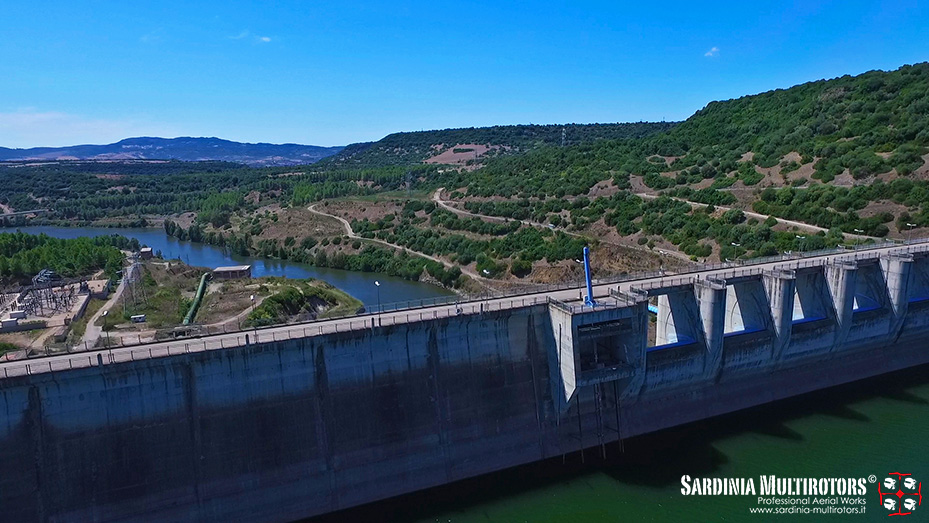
pixel 187 149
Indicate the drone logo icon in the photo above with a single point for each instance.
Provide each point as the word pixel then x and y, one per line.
pixel 903 493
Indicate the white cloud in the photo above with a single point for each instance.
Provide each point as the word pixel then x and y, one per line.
pixel 29 127
pixel 248 34
pixel 712 52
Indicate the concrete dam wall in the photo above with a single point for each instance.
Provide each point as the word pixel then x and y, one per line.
pixel 284 430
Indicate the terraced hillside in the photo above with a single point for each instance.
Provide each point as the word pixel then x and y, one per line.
pixel 822 164
pixel 487 142
pixel 847 155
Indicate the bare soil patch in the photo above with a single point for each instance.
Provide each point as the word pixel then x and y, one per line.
pixel 744 196
pixel 882 206
pixel 923 172
pixel 23 339
pixel 228 299
pixel 186 219
pixel 361 209
pixel 605 188
pixel 254 197
pixel 703 184
pixel 844 180
pixel 298 222
pixel 465 152
pixel 638 185
pixel 604 233
pixel 806 170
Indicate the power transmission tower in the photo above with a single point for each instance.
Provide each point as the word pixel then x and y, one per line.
pixel 564 135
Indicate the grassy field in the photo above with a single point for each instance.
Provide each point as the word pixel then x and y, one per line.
pixel 21 339
pixel 167 290
pixel 344 303
pixel 228 299
pixel 7 347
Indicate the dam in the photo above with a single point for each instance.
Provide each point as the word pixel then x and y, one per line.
pixel 288 422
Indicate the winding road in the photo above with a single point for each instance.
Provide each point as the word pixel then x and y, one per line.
pixel 93 331
pixel 351 234
pixel 445 204
pixel 752 214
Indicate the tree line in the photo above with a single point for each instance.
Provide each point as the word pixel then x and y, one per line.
pixel 24 255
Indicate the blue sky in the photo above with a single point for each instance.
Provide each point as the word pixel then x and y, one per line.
pixel 331 73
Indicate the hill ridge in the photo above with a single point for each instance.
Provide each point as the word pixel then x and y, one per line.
pixel 185 148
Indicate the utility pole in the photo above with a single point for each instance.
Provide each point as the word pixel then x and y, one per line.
pixel 138 276
pixel 106 332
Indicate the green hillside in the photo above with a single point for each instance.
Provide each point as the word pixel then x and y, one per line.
pixel 842 122
pixel 872 128
pixel 845 156
pixel 415 147
pixel 868 124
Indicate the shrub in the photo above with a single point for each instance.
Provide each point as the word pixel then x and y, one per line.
pixel 520 268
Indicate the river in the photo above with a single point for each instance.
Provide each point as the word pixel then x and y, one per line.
pixel 358 284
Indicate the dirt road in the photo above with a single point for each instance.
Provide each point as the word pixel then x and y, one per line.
pixel 351 234
pixel 437 198
pixel 758 216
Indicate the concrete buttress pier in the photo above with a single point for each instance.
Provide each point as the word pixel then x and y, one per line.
pixel 283 430
pixel 781 287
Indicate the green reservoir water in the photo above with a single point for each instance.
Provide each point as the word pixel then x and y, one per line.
pixel 870 427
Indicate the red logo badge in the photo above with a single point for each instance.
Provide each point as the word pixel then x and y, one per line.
pixel 900 493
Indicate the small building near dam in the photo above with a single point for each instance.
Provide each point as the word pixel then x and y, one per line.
pixel 232 272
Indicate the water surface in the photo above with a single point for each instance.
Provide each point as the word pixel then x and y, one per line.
pixel 358 284
pixel 874 426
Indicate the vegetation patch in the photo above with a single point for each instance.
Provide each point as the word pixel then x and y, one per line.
pixel 164 296
pixel 830 206
pixel 7 347
pixel 79 327
pixel 302 300
pixel 24 255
